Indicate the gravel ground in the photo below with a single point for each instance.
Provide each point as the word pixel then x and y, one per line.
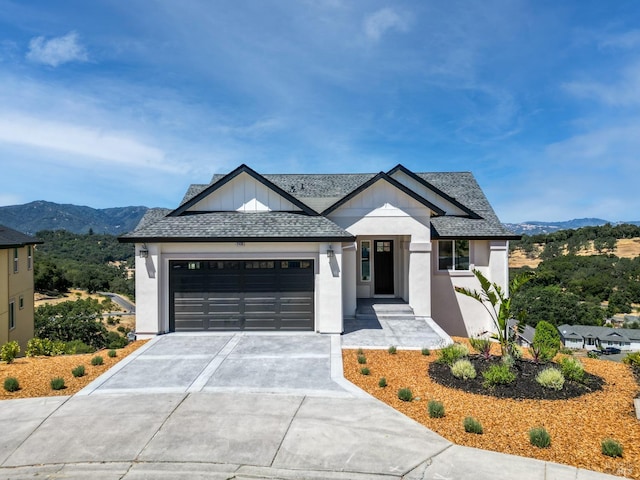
pixel 577 426
pixel 35 373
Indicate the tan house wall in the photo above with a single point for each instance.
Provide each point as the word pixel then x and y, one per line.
pixel 16 287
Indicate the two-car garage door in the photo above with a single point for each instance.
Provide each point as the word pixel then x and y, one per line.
pixel 241 295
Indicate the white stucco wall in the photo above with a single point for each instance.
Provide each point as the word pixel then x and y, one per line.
pixel 152 277
pixel 427 194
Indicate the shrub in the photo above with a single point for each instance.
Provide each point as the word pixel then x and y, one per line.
pixel 97 360
pixel 471 425
pixel 451 353
pixel 499 374
pixel 116 341
pixel 78 371
pixel 112 354
pixel 405 394
pixel 463 369
pixel 426 352
pixel 572 369
pixel 392 350
pixel 551 378
pixel 435 408
pixel 546 342
pixel 43 346
pixel 539 437
pixel 111 321
pixel 566 351
pixel 515 351
pixel 481 345
pixel 611 447
pixel 592 354
pixel 67 321
pixel 365 371
pixel 11 384
pixel 632 359
pixel 508 361
pixel 382 382
pixel 360 351
pixel 121 329
pixel 78 346
pixel 362 359
pixel 57 383
pixel 9 351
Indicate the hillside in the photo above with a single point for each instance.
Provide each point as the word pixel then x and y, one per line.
pixel 625 248
pixel 40 215
pixel 537 228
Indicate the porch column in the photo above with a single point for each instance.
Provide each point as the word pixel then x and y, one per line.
pixel 148 291
pixel 349 279
pixel 499 263
pixel 420 278
pixel 329 309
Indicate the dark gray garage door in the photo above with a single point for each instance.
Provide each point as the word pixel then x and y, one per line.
pixel 241 295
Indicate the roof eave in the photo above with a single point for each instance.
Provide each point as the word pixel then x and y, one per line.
pixel 235 239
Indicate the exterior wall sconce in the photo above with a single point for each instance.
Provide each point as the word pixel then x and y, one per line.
pixel 144 251
pixel 330 253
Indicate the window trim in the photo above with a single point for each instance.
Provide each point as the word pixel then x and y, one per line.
pixel 16 259
pixel 29 257
pixel 21 302
pixel 454 261
pixel 365 260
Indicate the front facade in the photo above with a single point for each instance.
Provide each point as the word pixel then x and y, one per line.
pixel 589 337
pixel 16 286
pixel 295 252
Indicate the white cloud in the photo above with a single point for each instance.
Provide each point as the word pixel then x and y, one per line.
pixel 378 23
pixel 81 142
pixel 626 40
pixel 56 51
pixel 624 92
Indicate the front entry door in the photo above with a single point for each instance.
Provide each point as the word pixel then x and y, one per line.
pixel 383 267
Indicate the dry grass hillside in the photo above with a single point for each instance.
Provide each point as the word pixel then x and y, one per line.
pixel 625 248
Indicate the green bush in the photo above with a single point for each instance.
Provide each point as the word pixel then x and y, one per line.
pixel 425 351
pixel 112 354
pixel 43 346
pixel 78 346
pixel 9 351
pixel 551 378
pixel 67 321
pixel 451 353
pixel 515 351
pixel 611 447
pixel 405 394
pixel 360 351
pixel 572 369
pixel 11 384
pixel 463 369
pixel 435 408
pixel 566 351
pixel 546 342
pixel 471 425
pixel 392 350
pixel 78 371
pixel 539 437
pixel 508 361
pixel 382 382
pixel 57 383
pixel 365 371
pixel 499 374
pixel 113 340
pixel 362 359
pixel 592 354
pixel 632 359
pixel 97 360
pixel 481 345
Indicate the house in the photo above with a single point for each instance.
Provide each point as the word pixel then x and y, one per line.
pixel 590 337
pixel 16 286
pixel 523 336
pixel 249 251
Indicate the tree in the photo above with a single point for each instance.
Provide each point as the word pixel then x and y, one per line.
pixel 497 304
pixel 546 341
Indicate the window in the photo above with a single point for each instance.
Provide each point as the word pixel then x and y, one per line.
pixel 365 260
pixel 259 265
pixel 12 315
pixel 453 255
pixel 29 257
pixel 21 302
pixel 193 265
pixel 15 260
pixel 295 264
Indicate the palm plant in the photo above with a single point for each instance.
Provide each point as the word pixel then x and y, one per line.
pixel 497 303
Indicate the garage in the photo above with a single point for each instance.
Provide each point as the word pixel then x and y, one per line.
pixel 218 295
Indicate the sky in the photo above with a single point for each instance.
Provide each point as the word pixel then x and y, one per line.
pixel 114 103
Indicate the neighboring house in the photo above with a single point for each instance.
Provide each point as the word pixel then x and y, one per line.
pixel 595 338
pixel 523 336
pixel 296 252
pixel 16 286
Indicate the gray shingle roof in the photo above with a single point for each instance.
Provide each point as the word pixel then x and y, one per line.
pixel 601 333
pixel 236 226
pixel 10 238
pixel 321 191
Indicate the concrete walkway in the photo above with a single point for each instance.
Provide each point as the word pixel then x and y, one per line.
pixel 237 406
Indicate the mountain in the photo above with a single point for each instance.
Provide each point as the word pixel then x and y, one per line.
pixel 40 215
pixel 535 228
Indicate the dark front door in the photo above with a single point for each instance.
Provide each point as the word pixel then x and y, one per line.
pixel 383 267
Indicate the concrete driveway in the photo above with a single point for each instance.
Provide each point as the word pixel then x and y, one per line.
pixel 241 406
